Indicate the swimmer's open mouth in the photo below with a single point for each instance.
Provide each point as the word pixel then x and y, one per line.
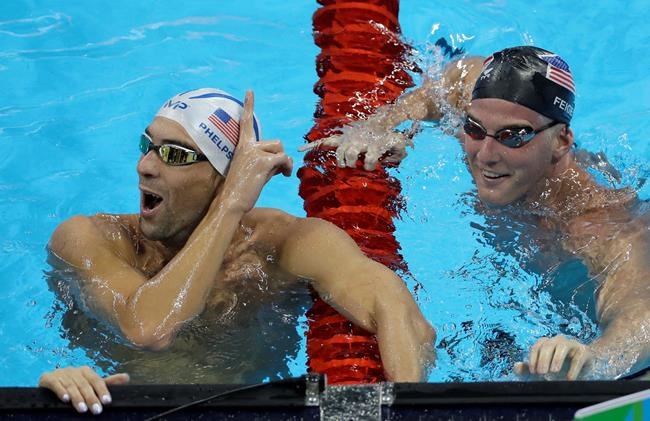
pixel 150 201
pixel 492 175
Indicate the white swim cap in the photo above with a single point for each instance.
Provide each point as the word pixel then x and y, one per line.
pixel 211 118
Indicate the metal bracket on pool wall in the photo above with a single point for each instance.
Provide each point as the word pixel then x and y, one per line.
pixel 345 402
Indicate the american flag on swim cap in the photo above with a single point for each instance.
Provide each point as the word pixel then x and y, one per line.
pixel 226 125
pixel 558 71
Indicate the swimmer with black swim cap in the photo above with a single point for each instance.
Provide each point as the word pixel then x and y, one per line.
pixel 523 99
pixel 534 166
pixel 518 104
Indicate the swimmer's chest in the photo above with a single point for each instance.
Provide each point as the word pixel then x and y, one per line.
pixel 250 271
pixel 250 275
pixel 536 244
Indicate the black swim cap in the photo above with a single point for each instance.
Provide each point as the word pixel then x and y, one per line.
pixel 529 76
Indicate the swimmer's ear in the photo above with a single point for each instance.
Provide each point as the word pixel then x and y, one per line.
pixel 563 142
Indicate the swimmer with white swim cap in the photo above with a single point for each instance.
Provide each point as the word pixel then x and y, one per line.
pixel 198 240
pixel 211 118
pixel 517 106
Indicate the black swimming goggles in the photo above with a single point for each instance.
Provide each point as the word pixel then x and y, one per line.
pixel 512 137
pixel 170 154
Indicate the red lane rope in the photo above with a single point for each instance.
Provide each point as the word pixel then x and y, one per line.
pixel 360 67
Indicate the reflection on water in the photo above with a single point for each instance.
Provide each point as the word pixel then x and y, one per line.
pixel 248 342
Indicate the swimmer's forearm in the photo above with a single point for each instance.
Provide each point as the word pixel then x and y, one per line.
pixel 624 346
pixel 384 306
pixel 406 340
pixel 178 293
pixel 416 105
pixel 424 102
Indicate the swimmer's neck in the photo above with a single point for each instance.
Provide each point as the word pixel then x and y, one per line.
pixel 169 247
pixel 165 249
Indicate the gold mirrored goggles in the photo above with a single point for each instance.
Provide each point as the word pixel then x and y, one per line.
pixel 171 154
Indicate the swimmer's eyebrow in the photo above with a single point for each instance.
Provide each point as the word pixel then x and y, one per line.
pixel 171 141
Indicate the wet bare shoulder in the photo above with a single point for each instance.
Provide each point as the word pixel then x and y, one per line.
pixel 79 233
pixel 615 243
pixel 269 225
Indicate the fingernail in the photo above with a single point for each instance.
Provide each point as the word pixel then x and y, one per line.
pixel 66 398
pixel 106 399
pixel 82 407
pixel 96 409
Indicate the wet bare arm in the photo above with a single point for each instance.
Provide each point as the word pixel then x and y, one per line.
pixel 366 292
pixel 623 304
pixel 375 136
pixel 622 258
pixel 149 312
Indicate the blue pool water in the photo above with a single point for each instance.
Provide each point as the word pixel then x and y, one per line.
pixel 80 82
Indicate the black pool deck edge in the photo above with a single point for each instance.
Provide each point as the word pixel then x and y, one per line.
pixel 285 400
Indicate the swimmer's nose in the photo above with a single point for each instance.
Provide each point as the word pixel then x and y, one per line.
pixel 489 151
pixel 149 165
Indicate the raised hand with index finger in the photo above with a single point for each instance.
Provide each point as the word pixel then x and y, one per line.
pixel 253 164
